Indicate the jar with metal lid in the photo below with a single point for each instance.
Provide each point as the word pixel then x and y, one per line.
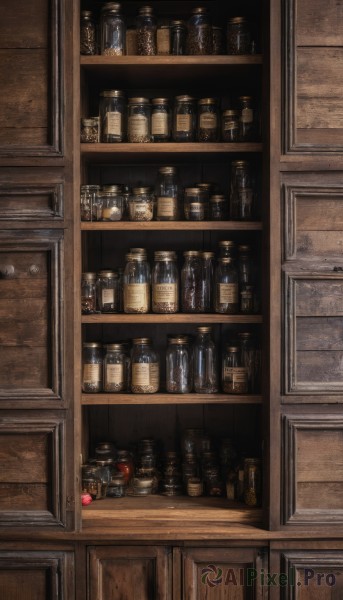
pixel 165 283
pixel 247 121
pixel 217 40
pixel 178 38
pixel 92 366
pixel 105 450
pixel 238 36
pixel 172 466
pixel 199 38
pixel 208 120
pixel 227 249
pixel 196 204
pixel 146 32
pixel 250 354
pixel 124 464
pixel 112 30
pixel 206 281
pixel 115 369
pixel 88 293
pixel 252 482
pixel 136 284
pixel 107 291
pixel 219 207
pixel 139 120
pixel 234 374
pixel 112 116
pixel 184 119
pixel 89 131
pixel 92 484
pixel 241 191
pixel 141 204
pixel 205 362
pixel 88 44
pixel 160 119
pixel 117 486
pixel 145 367
pixel 167 194
pixel 111 202
pixel 189 467
pixel 179 367
pixel 208 189
pixel 89 202
pixel 230 126
pixel 163 40
pixel 245 266
pixel 226 287
pixel 190 282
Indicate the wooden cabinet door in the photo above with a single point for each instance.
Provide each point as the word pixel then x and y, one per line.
pixel 313 575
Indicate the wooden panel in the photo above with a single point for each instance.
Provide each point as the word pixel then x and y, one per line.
pixel 313 469
pixel 128 573
pixel 31 201
pixel 26 458
pixel 24 497
pixel 319 23
pixel 319 333
pixel 24 25
pixel 319 296
pixel 313 575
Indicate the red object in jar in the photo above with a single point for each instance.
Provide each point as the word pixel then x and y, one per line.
pixel 124 464
pixel 86 499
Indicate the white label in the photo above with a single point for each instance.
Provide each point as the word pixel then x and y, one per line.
pixel 184 123
pixel 107 296
pixel 113 123
pixel 208 121
pixel 145 374
pixel 138 125
pixel 136 296
pixel 166 207
pixel 228 293
pixel 164 292
pixel 115 374
pixel 159 123
pixel 247 115
pixel 92 373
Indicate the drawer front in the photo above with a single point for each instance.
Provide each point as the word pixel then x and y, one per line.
pixel 313 575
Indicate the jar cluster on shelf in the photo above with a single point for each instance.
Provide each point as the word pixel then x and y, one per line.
pixel 202 466
pixel 113 34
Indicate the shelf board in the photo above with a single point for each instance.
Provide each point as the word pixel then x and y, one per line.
pixel 172 61
pixel 172 226
pixel 186 318
pixel 164 398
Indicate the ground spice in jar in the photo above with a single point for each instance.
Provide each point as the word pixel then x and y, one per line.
pixel 234 375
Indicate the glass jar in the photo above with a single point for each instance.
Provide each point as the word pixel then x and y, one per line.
pixel 89 202
pixel 227 249
pixel 196 205
pixel 208 189
pixel 252 482
pixel 88 293
pixel 178 38
pixel 245 266
pixel 241 191
pixel 115 369
pixel 199 38
pixel 247 124
pixel 87 34
pixel 190 441
pixel 206 281
pixel 111 202
pixel 117 486
pixel 105 467
pixel 124 464
pixel 112 30
pixel 238 36
pixel 219 207
pixel 208 120
pixel 141 204
pixel 105 450
pixel 234 375
pixel 189 467
pixel 226 287
pixel 165 283
pixel 179 368
pixel 190 282
pixel 136 284
pixel 146 32
pixel 246 303
pixel 139 121
pixel 217 40
pixel 112 116
pixel 145 368
pixel 89 131
pixel 160 119
pixel 163 40
pixel 205 362
pixel 251 359
pixel 92 366
pixel 167 194
pixel 230 126
pixel 184 119
pixel 107 291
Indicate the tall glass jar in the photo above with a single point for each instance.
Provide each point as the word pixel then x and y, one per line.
pixel 247 121
pixel 165 283
pixel 139 120
pixel 160 120
pixel 199 38
pixel 88 293
pixel 245 266
pixel 145 368
pixel 226 287
pixel 196 204
pixel 252 482
pixel 92 367
pixel 227 249
pixel 206 281
pixel 141 204
pixel 112 116
pixel 205 362
pixel 208 120
pixel 230 126
pixel 87 33
pixel 234 374
pixel 184 119
pixel 190 282
pixel 219 207
pixel 241 191
pixel 115 369
pixel 136 284
pixel 167 194
pixel 88 198
pixel 238 36
pixel 178 38
pixel 251 359
pixel 179 366
pixel 112 30
pixel 146 32
pixel 107 291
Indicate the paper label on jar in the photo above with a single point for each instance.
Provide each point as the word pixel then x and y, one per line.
pixel 138 125
pixel 163 41
pixel 228 293
pixel 92 373
pixel 115 374
pixel 247 115
pixel 184 123
pixel 236 374
pixel 107 296
pixel 154 375
pixel 166 207
pixel 208 121
pixel 229 125
pixel 113 123
pixel 159 123
pixel 136 296
pixel 141 209
pixel 141 374
pixel 196 207
pixel 165 292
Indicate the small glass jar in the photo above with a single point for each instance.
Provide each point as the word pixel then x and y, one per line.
pixel 141 204
pixel 92 367
pixel 105 450
pixel 146 32
pixel 208 189
pixel 238 36
pixel 189 467
pixel 172 466
pixel 241 191
pixel 217 40
pixel 89 131
pixel 195 487
pixel 179 366
pixel 205 362
pixel 199 38
pixel 230 126
pixel 206 281
pixel 246 304
pixel 226 287
pixel 165 283
pixel 196 205
pixel 160 119
pixel 184 119
pixel 190 441
pixel 136 284
pixel 112 116
pixel 178 38
pixel 112 30
pixel 115 369
pixel 163 40
pixel 124 464
pixel 88 44
pixel 227 249
pixel 208 120
pixel 107 291
pixel 245 266
pixel 219 207
pixel 89 202
pixel 250 354
pixel 167 194
pixel 190 282
pixel 88 293
pixel 139 121
pixel 117 486
pixel 247 121
pixel 145 367
pixel 234 375
pixel 111 202
pixel 252 482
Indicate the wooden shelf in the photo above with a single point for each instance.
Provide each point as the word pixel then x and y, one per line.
pixel 172 61
pixel 172 226
pixel 164 398
pixel 185 318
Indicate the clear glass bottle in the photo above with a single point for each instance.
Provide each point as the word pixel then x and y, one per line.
pixel 199 38
pixel 234 374
pixel 208 120
pixel 146 32
pixel 184 119
pixel 205 362
pixel 206 281
pixel 252 482
pixel 160 120
pixel 136 284
pixel 241 191
pixel 115 369
pixel 165 283
pixel 145 368
pixel 92 368
pixel 178 38
pixel 238 36
pixel 88 198
pixel 141 204
pixel 139 121
pixel 245 266
pixel 112 203
pixel 179 366
pixel 196 204
pixel 190 282
pixel 251 359
pixel 247 121
pixel 112 116
pixel 112 30
pixel 230 126
pixel 167 194
pixel 89 131
pixel 88 44
pixel 88 293
pixel 226 287
pixel 107 291
pixel 219 207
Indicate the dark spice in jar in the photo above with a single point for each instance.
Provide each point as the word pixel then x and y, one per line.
pixel 208 130
pixel 87 34
pixel 146 32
